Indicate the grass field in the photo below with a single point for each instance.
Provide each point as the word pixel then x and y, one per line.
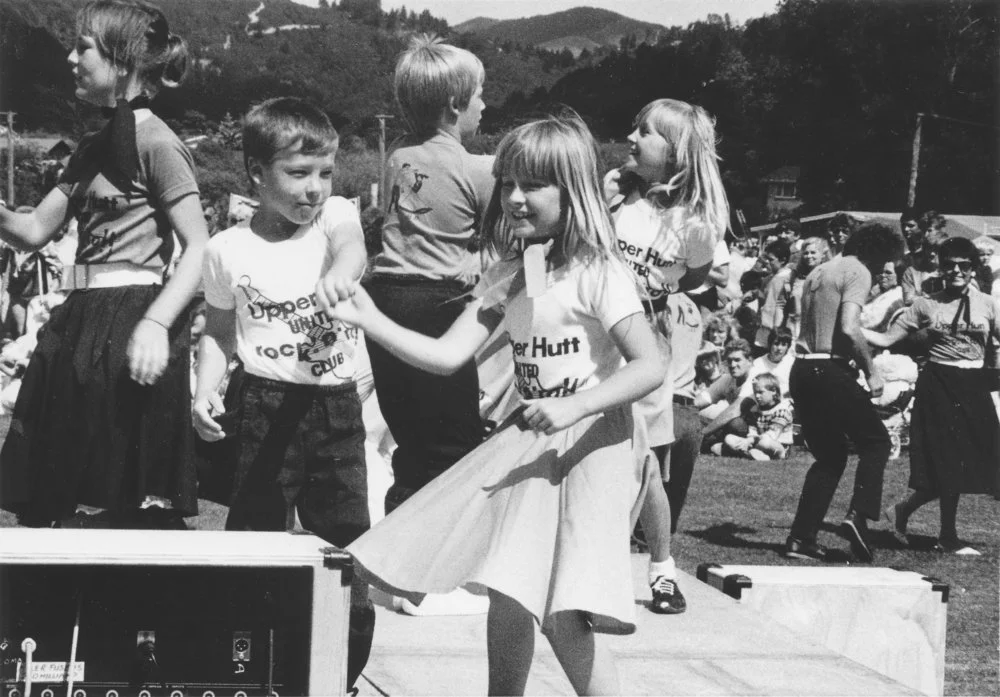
pixel 739 512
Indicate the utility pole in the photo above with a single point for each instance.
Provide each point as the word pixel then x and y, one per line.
pixel 911 197
pixel 10 157
pixel 382 118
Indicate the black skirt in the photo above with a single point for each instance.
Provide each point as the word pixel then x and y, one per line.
pixel 954 433
pixel 83 432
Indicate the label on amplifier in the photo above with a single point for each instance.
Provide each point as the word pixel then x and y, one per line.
pixel 51 671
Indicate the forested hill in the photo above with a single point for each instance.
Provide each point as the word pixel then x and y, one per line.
pixel 553 31
pixel 340 58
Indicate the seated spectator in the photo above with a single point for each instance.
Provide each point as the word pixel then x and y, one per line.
pixel 719 403
pixel 886 298
pixel 769 420
pixel 719 330
pixel 707 367
pixel 777 361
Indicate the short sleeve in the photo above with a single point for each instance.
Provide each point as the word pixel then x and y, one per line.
pixel 700 244
pixel 612 291
pixel 337 211
pixel 857 284
pixel 497 283
pixel 216 278
pixel 916 316
pixel 482 181
pixel 169 169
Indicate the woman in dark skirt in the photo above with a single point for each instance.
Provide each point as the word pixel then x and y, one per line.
pixel 102 423
pixel 954 432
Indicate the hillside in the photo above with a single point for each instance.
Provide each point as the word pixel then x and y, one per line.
pixel 565 29
pixel 342 60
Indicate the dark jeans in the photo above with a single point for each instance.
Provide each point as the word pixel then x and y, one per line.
pixel 832 408
pixel 433 418
pixel 683 455
pixel 302 447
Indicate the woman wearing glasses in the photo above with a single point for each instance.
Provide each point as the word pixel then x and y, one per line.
pixel 954 433
pixel 885 299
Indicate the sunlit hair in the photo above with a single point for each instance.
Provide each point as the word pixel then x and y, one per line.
pixel 822 253
pixel 134 35
pixel 276 124
pixel 737 346
pixel 560 151
pixel 691 175
pixel 768 381
pixel 428 74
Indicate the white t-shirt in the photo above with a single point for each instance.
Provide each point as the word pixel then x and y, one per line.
pixel 763 364
pixel 661 245
pixel 721 258
pixel 561 340
pixel 281 332
pixel 685 340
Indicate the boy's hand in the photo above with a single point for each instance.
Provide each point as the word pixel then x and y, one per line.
pixel 148 351
pixel 356 309
pixel 202 412
pixel 331 289
pixel 551 414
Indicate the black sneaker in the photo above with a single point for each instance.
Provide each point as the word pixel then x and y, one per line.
pixel 667 597
pixel 804 549
pixel 855 529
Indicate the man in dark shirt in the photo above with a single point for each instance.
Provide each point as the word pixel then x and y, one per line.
pixel 830 404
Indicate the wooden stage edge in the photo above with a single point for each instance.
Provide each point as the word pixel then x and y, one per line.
pixel 717 647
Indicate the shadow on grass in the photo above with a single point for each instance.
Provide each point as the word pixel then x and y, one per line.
pixel 732 535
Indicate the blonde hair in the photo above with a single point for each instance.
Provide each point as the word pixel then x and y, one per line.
pixel 429 73
pixel 560 151
pixel 768 381
pixel 691 173
pixel 134 35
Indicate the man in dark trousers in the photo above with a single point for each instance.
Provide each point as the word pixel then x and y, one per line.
pixel 831 406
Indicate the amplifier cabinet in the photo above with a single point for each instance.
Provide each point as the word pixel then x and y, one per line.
pixel 889 620
pixel 109 613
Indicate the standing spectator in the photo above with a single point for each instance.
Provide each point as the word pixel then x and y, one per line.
pixel 774 295
pixel 885 298
pixel 910 228
pixel 839 229
pixel 777 361
pixel 815 251
pixel 829 403
pixel 921 276
pixel 954 433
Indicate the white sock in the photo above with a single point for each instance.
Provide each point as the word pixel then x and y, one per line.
pixel 662 568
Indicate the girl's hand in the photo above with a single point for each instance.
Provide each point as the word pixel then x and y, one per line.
pixel 355 310
pixel 551 414
pixel 202 412
pixel 148 351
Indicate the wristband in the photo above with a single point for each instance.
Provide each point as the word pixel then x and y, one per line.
pixel 156 321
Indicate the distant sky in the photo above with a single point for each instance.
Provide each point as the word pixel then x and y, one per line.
pixel 665 12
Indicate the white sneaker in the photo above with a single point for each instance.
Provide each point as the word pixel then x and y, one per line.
pixel 457 602
pixel 759 455
pixel 716 449
pixel 968 552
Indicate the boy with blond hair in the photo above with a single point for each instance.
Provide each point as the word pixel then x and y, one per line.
pixel 436 194
pixel 299 433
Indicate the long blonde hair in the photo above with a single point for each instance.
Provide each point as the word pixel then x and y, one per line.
pixel 560 151
pixel 691 175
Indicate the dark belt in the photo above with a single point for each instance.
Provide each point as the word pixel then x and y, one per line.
pixel 683 401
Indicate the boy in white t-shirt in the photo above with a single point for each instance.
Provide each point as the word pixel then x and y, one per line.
pixel 298 426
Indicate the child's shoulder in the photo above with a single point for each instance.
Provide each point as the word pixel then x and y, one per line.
pixel 338 209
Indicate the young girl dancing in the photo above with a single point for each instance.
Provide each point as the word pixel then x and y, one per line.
pixel 670 212
pixel 103 417
pixel 539 514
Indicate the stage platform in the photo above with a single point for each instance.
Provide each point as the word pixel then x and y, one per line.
pixel 717 647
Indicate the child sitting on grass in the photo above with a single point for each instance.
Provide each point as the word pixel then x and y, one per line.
pixel 770 420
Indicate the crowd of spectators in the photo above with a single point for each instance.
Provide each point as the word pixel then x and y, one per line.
pixel 751 330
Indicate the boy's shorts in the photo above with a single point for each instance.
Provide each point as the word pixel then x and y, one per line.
pixel 301 448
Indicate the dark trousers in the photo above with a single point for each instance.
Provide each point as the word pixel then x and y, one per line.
pixel 302 448
pixel 832 408
pixel 434 419
pixel 683 454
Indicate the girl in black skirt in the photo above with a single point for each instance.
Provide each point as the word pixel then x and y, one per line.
pixel 102 422
pixel 954 433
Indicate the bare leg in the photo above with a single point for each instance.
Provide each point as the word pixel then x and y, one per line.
pixel 655 514
pixel 588 662
pixel 510 644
